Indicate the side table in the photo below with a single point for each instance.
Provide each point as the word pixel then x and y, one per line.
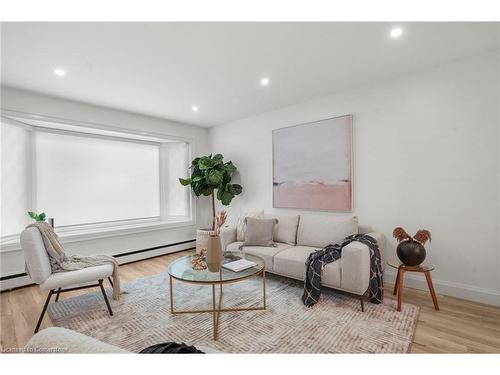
pixel 424 268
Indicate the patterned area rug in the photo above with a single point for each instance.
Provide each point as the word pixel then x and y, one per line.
pixel 334 325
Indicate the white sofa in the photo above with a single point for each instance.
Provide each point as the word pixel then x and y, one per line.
pixel 297 236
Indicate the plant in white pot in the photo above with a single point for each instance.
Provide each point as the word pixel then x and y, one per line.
pixel 211 176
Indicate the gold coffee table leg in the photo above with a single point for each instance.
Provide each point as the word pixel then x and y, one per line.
pixel 171 296
pixel 264 286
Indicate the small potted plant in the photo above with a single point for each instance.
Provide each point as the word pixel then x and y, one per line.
pixel 411 250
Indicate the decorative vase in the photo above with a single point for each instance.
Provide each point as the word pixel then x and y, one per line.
pixel 411 252
pixel 214 254
pixel 202 236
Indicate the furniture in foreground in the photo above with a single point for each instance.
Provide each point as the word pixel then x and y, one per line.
pixel 38 263
pixel 62 340
pixel 182 270
pixel 297 236
pixel 399 284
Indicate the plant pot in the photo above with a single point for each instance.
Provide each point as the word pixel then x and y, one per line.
pixel 411 253
pixel 202 236
pixel 214 254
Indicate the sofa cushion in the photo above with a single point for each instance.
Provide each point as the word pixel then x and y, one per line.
pixel 259 232
pixel 291 262
pixel 241 225
pixel 235 246
pixel 266 253
pixel 321 230
pixel 286 229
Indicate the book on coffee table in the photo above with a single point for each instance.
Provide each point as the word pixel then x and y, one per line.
pixel 239 265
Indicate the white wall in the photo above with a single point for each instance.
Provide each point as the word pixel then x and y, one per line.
pixel 425 156
pixel 12 262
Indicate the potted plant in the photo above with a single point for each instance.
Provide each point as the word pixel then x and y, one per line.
pixel 211 176
pixel 411 250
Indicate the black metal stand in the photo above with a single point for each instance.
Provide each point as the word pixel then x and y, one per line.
pixel 59 291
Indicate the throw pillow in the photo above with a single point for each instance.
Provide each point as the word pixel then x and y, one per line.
pixel 259 232
pixel 241 226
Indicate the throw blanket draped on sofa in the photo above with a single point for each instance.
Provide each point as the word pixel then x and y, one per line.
pixel 60 262
pixel 317 260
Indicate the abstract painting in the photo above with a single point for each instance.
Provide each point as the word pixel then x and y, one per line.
pixel 312 165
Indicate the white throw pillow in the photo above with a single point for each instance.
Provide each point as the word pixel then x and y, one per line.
pixel 241 226
pixel 321 230
pixel 286 229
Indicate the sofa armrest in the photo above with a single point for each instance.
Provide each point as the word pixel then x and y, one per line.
pixel 227 236
pixel 380 238
pixel 356 264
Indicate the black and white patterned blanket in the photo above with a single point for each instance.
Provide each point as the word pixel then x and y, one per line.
pixel 317 260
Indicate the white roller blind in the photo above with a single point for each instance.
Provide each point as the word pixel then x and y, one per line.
pixel 16 177
pixel 82 179
pixel 175 165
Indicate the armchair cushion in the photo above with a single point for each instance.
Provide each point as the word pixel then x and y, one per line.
pixel 35 255
pixel 78 277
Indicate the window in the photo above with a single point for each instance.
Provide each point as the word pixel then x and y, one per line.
pixel 82 180
pixel 89 180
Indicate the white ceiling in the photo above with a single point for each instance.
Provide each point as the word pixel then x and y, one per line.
pixel 162 69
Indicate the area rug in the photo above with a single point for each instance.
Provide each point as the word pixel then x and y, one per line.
pixel 334 325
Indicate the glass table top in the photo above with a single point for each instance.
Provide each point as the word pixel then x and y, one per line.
pixel 182 269
pixel 396 263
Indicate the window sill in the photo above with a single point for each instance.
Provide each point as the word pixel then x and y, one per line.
pixel 78 235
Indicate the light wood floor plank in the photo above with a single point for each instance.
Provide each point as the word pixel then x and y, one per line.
pixel 459 327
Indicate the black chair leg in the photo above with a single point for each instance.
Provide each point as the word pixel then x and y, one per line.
pixel 361 299
pixel 58 293
pixel 43 311
pixel 105 298
pixel 110 281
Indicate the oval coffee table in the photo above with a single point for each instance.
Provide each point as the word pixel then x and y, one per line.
pixel 182 270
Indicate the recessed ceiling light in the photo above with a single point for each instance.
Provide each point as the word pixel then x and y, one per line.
pixel 59 72
pixel 264 81
pixel 194 108
pixel 396 32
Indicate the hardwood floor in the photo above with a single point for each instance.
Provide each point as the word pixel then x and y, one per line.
pixel 459 327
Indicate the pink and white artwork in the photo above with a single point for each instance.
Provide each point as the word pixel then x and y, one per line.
pixel 312 165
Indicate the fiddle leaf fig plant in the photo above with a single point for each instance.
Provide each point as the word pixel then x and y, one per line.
pixel 211 173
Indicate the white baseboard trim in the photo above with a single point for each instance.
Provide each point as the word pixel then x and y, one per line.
pixel 26 280
pixel 448 288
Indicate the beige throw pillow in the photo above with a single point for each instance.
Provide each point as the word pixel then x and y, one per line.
pixel 241 226
pixel 259 232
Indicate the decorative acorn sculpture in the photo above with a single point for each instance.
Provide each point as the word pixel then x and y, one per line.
pixel 411 250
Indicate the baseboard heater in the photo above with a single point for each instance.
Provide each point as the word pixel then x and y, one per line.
pixel 17 275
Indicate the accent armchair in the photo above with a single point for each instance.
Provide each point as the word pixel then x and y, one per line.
pixel 37 261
